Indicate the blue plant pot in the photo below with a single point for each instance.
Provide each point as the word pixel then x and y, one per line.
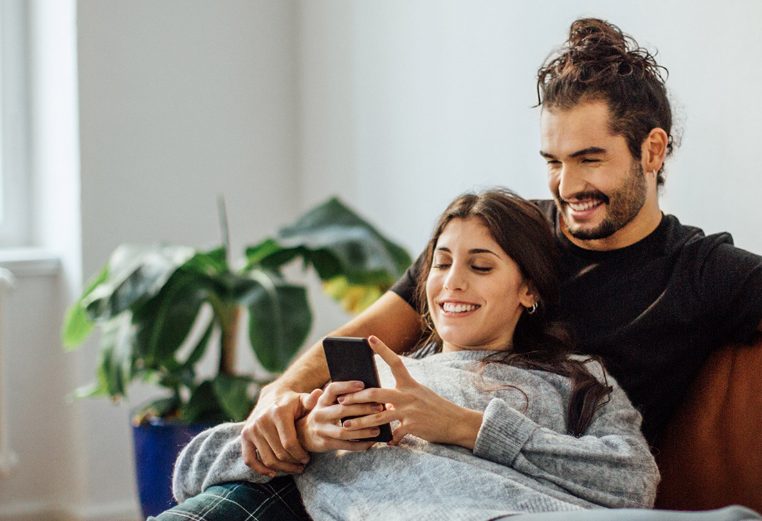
pixel 157 445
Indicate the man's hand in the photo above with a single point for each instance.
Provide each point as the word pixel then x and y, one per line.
pixel 419 410
pixel 269 432
pixel 269 442
pixel 321 429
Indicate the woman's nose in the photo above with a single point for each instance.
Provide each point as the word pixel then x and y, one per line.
pixel 455 279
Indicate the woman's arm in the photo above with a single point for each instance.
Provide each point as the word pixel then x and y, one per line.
pixel 215 456
pixel 212 457
pixel 270 428
pixel 611 465
pixel 419 410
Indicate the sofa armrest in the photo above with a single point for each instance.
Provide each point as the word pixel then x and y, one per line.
pixel 711 452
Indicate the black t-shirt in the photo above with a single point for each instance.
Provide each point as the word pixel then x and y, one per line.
pixel 655 309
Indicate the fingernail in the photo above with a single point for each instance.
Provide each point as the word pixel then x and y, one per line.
pixel 347 423
pixel 372 339
pixel 379 408
pixel 340 399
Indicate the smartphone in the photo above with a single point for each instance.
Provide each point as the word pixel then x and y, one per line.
pixel 351 358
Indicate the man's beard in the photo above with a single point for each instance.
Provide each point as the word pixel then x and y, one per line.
pixel 623 205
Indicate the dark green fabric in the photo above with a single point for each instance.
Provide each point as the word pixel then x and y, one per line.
pixel 277 500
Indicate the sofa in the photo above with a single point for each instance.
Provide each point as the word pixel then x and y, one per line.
pixel 711 452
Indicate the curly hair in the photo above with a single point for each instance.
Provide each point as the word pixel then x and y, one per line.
pixel 599 62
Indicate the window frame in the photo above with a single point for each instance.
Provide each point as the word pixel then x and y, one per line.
pixel 15 184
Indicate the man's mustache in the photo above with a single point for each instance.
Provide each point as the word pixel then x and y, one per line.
pixel 581 196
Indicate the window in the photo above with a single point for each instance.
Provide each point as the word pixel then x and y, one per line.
pixel 15 199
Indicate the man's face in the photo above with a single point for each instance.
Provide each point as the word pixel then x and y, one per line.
pixel 598 187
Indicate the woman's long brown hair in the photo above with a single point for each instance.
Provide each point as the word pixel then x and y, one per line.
pixel 524 234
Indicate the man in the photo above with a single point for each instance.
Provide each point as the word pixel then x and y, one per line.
pixel 651 296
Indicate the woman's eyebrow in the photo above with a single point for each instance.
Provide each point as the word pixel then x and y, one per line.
pixel 472 251
pixel 482 250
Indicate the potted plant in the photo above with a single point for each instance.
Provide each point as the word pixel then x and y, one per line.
pixel 160 309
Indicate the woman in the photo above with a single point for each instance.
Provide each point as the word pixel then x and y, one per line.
pixel 499 421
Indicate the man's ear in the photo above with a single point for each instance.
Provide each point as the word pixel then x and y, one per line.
pixel 654 150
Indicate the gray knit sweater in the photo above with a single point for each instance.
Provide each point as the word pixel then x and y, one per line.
pixel 522 462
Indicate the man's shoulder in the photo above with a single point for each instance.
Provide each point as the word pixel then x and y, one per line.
pixel 683 237
pixel 547 207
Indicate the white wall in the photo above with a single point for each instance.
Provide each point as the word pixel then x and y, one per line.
pixel 438 97
pixel 180 101
pixel 396 106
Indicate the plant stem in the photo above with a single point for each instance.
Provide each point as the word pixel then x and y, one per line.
pixel 229 338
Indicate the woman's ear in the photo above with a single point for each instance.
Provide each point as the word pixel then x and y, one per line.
pixel 527 295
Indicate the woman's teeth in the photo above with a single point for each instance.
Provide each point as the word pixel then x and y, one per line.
pixel 451 307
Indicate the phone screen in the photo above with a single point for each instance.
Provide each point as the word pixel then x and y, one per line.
pixel 351 358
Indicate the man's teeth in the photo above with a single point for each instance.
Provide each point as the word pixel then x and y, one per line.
pixel 451 307
pixel 581 206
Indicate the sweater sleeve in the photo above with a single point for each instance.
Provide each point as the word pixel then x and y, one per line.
pixel 212 457
pixel 611 465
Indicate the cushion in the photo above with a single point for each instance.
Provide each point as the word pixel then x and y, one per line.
pixel 711 452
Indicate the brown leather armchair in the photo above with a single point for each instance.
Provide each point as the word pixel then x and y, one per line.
pixel 711 452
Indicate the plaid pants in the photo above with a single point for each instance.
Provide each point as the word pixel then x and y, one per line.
pixel 241 501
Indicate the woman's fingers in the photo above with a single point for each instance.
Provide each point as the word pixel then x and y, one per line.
pixel 371 420
pixel 333 390
pixel 399 371
pixel 397 435
pixel 354 446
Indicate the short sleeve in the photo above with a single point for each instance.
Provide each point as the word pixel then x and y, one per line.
pixel 405 287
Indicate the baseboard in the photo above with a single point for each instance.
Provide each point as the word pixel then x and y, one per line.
pixel 122 511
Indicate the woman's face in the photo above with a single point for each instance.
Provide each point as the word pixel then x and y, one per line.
pixel 475 291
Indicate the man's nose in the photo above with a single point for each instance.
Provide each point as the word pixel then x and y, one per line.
pixel 570 181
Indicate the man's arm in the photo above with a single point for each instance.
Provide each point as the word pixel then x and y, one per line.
pixel 269 440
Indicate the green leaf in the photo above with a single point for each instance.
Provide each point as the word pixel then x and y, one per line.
pixel 257 253
pixel 77 325
pixel 210 262
pixel 91 390
pixel 135 273
pixel 336 241
pixel 234 396
pixel 159 408
pixel 198 352
pixel 203 406
pixel 115 361
pixel 354 298
pixel 164 322
pixel 279 320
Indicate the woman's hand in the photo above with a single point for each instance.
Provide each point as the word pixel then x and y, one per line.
pixel 321 429
pixel 420 411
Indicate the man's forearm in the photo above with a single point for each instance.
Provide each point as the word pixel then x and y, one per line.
pixel 306 373
pixel 269 440
pixel 390 318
